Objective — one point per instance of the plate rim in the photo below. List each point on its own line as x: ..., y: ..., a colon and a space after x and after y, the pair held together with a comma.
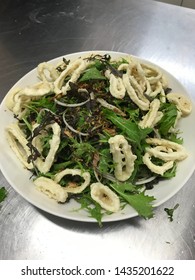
x: 86, y: 218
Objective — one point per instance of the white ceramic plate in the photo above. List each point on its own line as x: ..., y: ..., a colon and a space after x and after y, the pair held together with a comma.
x: 19, y: 178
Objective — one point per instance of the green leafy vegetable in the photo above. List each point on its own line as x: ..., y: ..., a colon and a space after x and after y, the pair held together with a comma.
x: 92, y: 74
x: 129, y: 128
x: 104, y: 160
x: 170, y: 211
x: 83, y: 151
x: 138, y: 200
x: 93, y: 208
x: 171, y: 172
x: 3, y: 194
x: 168, y: 119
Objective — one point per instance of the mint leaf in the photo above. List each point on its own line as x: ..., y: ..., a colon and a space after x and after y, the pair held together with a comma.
x: 138, y: 200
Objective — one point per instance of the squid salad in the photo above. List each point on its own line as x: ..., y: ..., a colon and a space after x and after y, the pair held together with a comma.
x: 100, y: 131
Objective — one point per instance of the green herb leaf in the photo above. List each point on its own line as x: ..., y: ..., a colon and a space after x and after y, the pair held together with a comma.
x: 92, y: 207
x: 174, y: 138
x: 168, y: 119
x: 3, y: 194
x: 84, y: 151
x: 171, y: 172
x: 104, y: 160
x: 139, y: 201
x: 61, y: 166
x: 131, y: 129
x: 92, y: 74
x: 170, y: 211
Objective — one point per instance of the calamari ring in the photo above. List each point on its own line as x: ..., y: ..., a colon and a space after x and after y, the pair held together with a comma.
x: 74, y: 188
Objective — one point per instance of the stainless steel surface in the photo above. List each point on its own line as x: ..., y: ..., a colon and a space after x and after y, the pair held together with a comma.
x: 36, y: 31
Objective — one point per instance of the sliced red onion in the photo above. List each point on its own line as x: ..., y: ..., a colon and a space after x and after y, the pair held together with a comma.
x: 109, y: 177
x: 96, y: 175
x: 71, y: 105
x: 144, y: 181
x: 47, y: 110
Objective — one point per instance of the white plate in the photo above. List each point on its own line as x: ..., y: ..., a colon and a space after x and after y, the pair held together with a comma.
x: 19, y: 178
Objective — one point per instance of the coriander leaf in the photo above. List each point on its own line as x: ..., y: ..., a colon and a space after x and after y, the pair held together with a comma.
x: 139, y: 201
x: 3, y: 194
x: 92, y: 74
x: 170, y: 211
